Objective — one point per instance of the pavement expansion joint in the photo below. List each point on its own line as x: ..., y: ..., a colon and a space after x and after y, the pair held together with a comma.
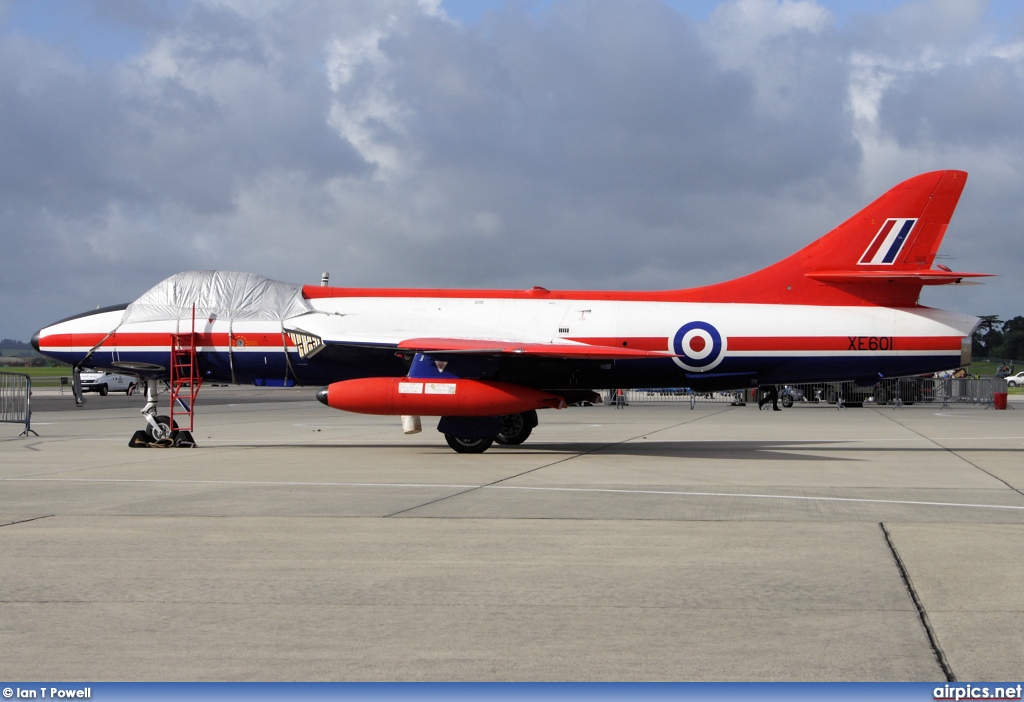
x: 922, y: 613
x: 25, y: 521
x: 952, y: 452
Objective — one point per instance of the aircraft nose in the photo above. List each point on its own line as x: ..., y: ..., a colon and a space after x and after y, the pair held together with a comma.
x: 35, y: 341
x: 322, y: 395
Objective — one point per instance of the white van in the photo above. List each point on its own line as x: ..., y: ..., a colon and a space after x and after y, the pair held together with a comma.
x: 104, y: 382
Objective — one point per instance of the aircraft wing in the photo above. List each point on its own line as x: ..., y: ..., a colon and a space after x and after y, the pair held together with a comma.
x: 491, y: 347
x: 310, y: 343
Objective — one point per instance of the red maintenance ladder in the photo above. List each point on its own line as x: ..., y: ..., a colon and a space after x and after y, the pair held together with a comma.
x: 185, y: 378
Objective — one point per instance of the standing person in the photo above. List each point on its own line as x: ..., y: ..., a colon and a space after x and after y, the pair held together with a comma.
x: 766, y: 394
x: 620, y: 398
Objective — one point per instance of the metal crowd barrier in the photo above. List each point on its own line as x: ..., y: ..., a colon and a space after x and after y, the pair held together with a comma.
x: 16, y: 400
x: 976, y: 391
x: 676, y: 395
x: 896, y: 392
x: 683, y: 395
x: 899, y: 392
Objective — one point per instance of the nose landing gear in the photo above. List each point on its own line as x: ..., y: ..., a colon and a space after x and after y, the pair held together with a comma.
x: 161, y: 430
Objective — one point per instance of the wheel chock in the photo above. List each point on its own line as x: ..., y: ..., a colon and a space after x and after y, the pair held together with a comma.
x: 141, y: 439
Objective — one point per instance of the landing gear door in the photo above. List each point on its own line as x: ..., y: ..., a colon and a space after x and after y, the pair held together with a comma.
x: 76, y: 386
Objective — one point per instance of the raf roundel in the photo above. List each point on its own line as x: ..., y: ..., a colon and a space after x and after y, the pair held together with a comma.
x: 698, y: 346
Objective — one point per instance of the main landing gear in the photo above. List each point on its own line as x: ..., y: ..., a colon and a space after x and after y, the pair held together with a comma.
x: 514, y: 429
x: 469, y: 445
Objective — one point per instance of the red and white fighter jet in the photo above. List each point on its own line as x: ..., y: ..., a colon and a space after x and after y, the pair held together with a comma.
x: 844, y: 308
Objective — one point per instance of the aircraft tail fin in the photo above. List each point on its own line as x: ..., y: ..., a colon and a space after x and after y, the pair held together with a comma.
x: 882, y: 255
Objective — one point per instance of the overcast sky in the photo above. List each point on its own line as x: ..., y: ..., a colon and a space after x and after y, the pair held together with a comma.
x: 633, y: 145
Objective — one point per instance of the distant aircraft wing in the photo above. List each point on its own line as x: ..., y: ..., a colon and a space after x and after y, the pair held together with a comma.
x: 490, y: 347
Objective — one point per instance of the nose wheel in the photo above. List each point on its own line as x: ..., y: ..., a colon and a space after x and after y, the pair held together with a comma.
x: 164, y: 428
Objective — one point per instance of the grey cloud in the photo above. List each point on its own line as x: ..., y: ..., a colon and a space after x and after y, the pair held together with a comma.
x: 918, y: 29
x: 237, y: 104
x: 978, y: 104
x: 150, y: 15
x: 604, y: 144
x: 59, y: 122
x: 611, y: 100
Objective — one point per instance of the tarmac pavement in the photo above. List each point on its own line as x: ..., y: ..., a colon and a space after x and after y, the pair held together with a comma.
x: 652, y: 543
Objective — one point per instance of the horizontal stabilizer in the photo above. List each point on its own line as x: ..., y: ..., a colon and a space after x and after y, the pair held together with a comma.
x: 927, y: 277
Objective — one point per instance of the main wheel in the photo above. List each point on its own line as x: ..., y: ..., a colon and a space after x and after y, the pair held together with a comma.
x: 514, y: 429
x: 166, y: 428
x: 830, y: 395
x: 881, y: 396
x: 103, y: 390
x: 469, y: 445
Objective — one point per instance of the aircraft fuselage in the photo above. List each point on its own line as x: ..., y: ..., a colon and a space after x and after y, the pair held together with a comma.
x: 713, y: 345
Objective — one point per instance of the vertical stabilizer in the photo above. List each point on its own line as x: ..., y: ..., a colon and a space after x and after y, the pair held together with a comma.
x: 882, y: 255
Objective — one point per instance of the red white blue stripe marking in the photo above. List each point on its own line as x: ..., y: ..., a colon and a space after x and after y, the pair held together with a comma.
x: 888, y: 242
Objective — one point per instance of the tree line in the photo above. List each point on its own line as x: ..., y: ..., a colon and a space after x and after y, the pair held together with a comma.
x: 12, y: 344
x: 24, y: 351
x: 995, y: 338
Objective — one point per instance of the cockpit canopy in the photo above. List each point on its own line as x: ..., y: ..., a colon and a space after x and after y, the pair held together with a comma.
x: 224, y: 295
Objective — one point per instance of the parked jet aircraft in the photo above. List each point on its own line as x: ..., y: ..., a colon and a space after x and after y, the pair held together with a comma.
x: 843, y: 308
